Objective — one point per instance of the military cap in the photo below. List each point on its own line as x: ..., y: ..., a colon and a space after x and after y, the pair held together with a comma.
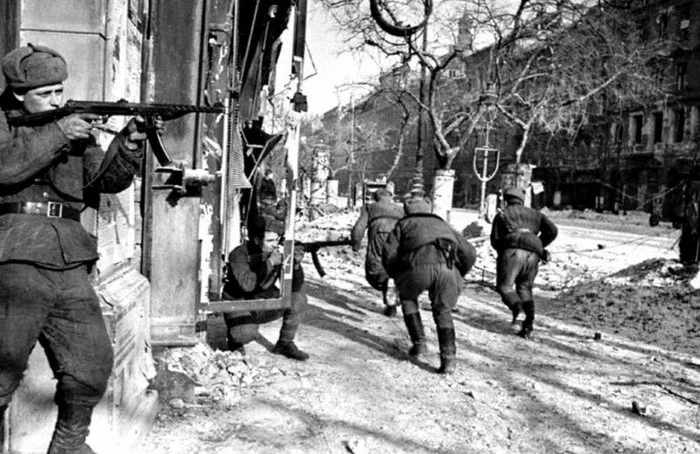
x: 381, y: 194
x: 266, y: 223
x: 514, y: 192
x: 418, y: 205
x: 33, y: 66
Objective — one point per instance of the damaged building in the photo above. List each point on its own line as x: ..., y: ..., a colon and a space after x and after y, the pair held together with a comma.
x: 162, y: 241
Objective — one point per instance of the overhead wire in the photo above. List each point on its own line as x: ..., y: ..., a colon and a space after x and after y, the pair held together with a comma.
x: 637, y: 199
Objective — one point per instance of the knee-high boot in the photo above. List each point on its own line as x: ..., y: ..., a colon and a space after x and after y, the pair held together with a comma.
x: 414, y: 325
x: 72, y: 428
x: 389, y: 305
x: 529, y: 309
x: 448, y: 350
x: 2, y: 426
x: 512, y: 300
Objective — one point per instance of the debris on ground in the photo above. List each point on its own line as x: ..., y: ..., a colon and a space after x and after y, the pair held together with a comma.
x: 605, y: 372
x: 215, y: 375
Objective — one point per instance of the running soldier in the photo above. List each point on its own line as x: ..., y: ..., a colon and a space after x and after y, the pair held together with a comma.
x: 425, y: 253
x: 379, y: 219
x: 520, y: 235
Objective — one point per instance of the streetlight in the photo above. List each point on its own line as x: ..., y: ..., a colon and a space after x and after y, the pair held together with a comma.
x: 488, y: 100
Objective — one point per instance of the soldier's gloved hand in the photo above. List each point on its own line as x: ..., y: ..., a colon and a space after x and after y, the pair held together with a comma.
x: 275, y: 258
x: 78, y: 126
x: 136, y: 130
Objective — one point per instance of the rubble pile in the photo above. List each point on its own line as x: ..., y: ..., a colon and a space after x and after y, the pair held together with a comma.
x: 214, y: 374
x: 568, y: 270
x: 654, y: 296
x: 655, y: 300
x: 601, y: 288
x: 325, y: 228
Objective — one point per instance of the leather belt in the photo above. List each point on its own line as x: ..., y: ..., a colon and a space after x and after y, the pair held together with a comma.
x: 48, y: 209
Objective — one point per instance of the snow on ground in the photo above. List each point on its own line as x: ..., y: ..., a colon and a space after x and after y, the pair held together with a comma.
x: 631, y: 388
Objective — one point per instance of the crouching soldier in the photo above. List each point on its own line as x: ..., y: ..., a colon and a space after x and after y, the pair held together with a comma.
x: 253, y: 269
x: 422, y: 253
x: 519, y: 235
x: 379, y: 218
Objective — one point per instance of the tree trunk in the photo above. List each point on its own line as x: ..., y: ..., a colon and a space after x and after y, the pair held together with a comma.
x: 443, y: 189
x: 523, y: 142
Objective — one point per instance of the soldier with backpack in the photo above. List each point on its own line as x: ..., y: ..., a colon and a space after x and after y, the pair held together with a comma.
x: 423, y: 253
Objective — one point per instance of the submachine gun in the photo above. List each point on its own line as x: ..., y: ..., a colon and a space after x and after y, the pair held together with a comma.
x: 312, y: 247
x: 149, y: 112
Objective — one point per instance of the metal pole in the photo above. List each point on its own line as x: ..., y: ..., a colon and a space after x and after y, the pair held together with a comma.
x: 484, y: 175
x: 292, y: 145
x: 230, y: 196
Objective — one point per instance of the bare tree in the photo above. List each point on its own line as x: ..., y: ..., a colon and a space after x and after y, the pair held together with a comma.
x: 543, y: 64
x: 352, y: 147
x: 557, y: 64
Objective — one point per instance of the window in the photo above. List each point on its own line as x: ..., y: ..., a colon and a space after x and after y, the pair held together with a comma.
x: 618, y: 134
x: 637, y: 124
x: 658, y: 74
x: 643, y: 32
x: 658, y: 127
x: 454, y: 73
x: 681, y: 71
x: 679, y: 115
x: 662, y: 26
x: 684, y: 24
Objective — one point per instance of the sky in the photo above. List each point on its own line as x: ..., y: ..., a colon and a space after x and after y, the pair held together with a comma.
x: 326, y: 68
x: 327, y: 71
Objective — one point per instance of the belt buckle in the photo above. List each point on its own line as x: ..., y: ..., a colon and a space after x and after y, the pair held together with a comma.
x: 54, y: 210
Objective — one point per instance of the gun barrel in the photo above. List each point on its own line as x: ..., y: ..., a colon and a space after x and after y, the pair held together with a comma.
x: 329, y: 243
x: 165, y: 111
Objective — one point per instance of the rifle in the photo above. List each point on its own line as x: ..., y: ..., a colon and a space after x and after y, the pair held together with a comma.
x: 313, y: 246
x: 107, y: 109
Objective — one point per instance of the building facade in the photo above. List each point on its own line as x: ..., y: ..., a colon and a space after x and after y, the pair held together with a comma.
x: 623, y: 159
x: 652, y: 149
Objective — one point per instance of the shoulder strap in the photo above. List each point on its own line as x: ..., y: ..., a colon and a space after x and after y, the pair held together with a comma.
x: 422, y: 215
x: 508, y: 221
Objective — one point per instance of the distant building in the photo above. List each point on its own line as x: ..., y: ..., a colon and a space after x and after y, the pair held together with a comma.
x: 622, y: 160
x: 652, y: 149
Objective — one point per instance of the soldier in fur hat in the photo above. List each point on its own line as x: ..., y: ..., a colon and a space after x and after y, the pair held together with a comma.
x: 519, y: 235
x: 48, y: 174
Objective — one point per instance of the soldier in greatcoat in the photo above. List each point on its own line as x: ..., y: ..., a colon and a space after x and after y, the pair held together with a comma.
x: 378, y: 219
x: 48, y: 174
x: 423, y: 253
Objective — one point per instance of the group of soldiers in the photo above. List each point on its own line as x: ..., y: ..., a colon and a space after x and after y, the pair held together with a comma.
x: 420, y: 251
x: 409, y: 246
x: 50, y: 172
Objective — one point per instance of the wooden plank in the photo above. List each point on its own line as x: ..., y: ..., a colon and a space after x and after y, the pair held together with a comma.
x: 245, y: 305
